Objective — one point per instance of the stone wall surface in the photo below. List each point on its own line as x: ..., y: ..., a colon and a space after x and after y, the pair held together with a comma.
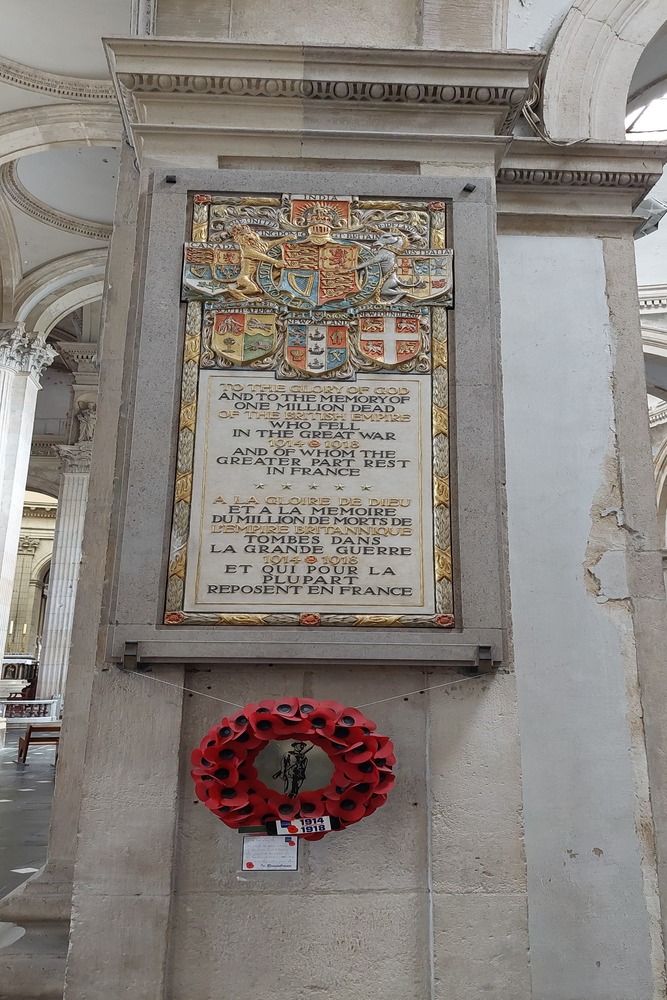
x: 373, y: 23
x: 441, y: 858
x: 583, y: 759
x: 437, y: 895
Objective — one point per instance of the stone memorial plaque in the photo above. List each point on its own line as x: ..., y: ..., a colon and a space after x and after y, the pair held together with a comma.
x: 312, y: 480
x: 337, y: 515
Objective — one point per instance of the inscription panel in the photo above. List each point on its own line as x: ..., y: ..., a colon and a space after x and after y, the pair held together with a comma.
x: 313, y: 495
x: 312, y: 480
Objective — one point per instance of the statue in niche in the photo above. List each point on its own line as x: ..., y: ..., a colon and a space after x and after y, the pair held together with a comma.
x: 86, y: 415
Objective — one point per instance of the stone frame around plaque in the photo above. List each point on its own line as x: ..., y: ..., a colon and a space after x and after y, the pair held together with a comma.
x: 153, y: 396
x: 389, y: 314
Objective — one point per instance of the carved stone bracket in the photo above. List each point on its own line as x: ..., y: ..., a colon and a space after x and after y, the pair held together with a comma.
x: 24, y: 354
x: 80, y: 357
x: 75, y: 457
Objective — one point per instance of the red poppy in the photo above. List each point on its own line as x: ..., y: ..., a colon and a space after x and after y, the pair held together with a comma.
x: 309, y: 619
x: 351, y: 807
x: 311, y: 804
x: 174, y: 618
x: 227, y: 781
x: 364, y: 772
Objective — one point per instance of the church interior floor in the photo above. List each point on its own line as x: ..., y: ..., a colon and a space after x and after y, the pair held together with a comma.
x: 26, y: 791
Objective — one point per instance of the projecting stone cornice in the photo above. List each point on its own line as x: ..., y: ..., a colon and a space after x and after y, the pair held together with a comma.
x: 653, y: 298
x: 67, y: 88
x: 586, y: 180
x: 313, y: 93
x: 11, y: 186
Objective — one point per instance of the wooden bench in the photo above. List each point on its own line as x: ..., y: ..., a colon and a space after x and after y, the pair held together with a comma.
x: 45, y: 732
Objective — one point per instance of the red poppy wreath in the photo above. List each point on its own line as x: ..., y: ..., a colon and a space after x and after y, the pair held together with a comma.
x: 228, y: 783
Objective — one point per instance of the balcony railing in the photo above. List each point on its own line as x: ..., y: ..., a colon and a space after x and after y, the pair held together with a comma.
x: 18, y: 710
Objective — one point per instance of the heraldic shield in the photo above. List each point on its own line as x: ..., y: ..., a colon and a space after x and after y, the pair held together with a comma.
x: 316, y: 348
x: 241, y: 336
x: 426, y: 274
x: 208, y: 269
x: 315, y: 275
x: 389, y: 339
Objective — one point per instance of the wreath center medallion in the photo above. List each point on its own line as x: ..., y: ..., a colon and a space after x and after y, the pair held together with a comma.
x: 359, y: 767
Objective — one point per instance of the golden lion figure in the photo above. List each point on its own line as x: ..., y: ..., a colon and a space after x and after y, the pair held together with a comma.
x: 253, y: 250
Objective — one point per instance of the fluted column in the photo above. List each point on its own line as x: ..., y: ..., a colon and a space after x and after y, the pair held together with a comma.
x: 20, y: 636
x: 65, y: 562
x: 22, y: 361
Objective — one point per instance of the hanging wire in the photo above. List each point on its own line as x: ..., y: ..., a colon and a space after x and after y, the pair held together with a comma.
x: 535, y: 122
x: 435, y: 687
x: 179, y: 687
x: 367, y: 704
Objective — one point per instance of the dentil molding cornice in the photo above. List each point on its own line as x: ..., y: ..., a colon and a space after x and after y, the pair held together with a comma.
x: 167, y: 86
x: 11, y: 186
x: 653, y: 298
x: 68, y: 88
x: 603, y: 181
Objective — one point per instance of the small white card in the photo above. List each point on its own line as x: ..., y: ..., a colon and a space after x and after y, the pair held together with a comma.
x: 270, y: 854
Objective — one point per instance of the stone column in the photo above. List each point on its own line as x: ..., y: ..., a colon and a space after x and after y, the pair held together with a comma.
x: 22, y: 360
x: 65, y: 562
x: 21, y: 612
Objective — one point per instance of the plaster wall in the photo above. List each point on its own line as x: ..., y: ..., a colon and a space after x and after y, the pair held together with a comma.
x: 53, y: 401
x: 532, y: 24
x: 39, y: 243
x: 591, y: 876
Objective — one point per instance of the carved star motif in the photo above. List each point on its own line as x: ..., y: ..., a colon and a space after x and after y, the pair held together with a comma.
x: 340, y: 487
x: 260, y: 486
x: 366, y: 487
x: 312, y: 486
x: 287, y: 486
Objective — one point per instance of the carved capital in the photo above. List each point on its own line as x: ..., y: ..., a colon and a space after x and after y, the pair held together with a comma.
x: 28, y: 545
x: 21, y: 353
x: 75, y: 457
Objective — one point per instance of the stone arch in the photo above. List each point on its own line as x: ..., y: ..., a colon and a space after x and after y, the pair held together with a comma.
x: 57, y: 125
x: 591, y: 65
x: 50, y: 292
x: 660, y: 468
x: 42, y: 567
x: 10, y: 262
x: 41, y: 482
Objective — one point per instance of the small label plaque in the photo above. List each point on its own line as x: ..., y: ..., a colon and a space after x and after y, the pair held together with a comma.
x: 270, y: 854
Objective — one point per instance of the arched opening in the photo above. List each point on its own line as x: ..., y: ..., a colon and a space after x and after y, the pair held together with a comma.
x: 26, y: 617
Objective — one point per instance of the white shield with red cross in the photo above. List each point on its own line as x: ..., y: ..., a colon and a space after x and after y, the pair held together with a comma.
x: 389, y: 339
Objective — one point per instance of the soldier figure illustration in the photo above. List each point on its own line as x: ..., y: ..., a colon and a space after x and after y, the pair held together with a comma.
x: 293, y: 769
